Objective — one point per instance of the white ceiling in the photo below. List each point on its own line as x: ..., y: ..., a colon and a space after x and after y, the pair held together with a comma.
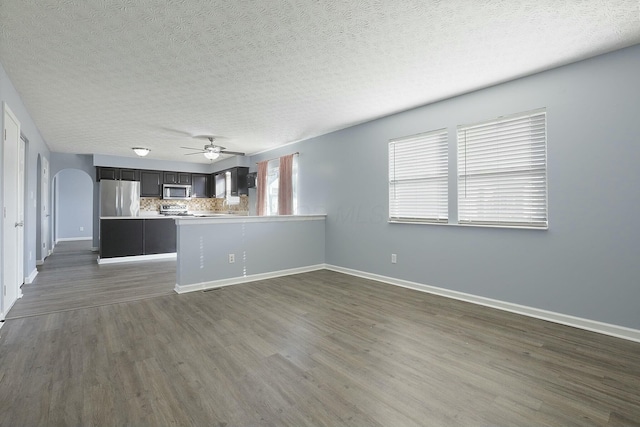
x: 102, y: 76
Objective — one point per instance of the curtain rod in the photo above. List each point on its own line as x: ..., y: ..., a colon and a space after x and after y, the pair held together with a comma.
x: 276, y: 158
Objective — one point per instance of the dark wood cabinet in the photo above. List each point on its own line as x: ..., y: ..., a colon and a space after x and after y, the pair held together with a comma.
x: 133, y: 237
x: 235, y: 179
x: 121, y: 237
x: 200, y: 185
x: 107, y: 173
x: 239, y: 181
x: 182, y: 178
x: 150, y: 184
x: 116, y: 173
x: 170, y: 178
x: 159, y: 236
x: 129, y: 175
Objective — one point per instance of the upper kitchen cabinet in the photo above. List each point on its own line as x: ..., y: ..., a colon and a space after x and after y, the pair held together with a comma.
x: 129, y: 175
x: 239, y: 181
x: 150, y: 183
x: 116, y: 173
x: 107, y: 173
x: 200, y: 185
x: 182, y: 178
x: 231, y: 182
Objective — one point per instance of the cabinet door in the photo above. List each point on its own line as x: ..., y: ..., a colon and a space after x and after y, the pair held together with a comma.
x: 129, y: 175
x: 121, y: 237
x: 150, y: 184
x: 242, y: 183
x: 108, y: 173
x: 159, y: 236
x: 200, y: 185
x: 170, y: 178
x: 184, y: 178
x: 238, y: 181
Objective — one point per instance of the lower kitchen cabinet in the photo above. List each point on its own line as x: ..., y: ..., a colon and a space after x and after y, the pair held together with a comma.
x: 159, y: 236
x: 132, y: 237
x: 121, y: 237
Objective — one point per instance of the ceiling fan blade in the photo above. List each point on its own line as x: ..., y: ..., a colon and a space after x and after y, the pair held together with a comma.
x: 191, y: 154
x: 209, y: 137
x: 235, y: 153
x: 189, y: 148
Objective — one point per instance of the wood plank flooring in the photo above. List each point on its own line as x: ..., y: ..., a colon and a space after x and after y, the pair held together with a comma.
x: 314, y: 349
x: 71, y: 278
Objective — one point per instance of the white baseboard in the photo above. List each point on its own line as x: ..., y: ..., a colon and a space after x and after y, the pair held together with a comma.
x: 72, y: 239
x: 94, y: 249
x: 39, y: 261
x: 28, y: 280
x: 137, y: 258
x: 563, y: 319
x: 181, y: 289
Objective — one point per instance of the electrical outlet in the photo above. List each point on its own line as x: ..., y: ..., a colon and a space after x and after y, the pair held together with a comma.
x: 232, y: 258
x: 394, y: 258
x: 81, y: 228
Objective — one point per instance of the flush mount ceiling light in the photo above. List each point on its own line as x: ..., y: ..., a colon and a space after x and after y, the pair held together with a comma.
x: 141, y: 151
x: 211, y: 155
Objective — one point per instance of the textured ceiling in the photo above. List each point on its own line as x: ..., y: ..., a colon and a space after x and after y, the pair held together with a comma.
x: 102, y: 76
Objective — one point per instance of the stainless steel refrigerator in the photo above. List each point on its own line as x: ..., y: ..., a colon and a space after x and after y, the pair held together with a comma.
x: 119, y: 198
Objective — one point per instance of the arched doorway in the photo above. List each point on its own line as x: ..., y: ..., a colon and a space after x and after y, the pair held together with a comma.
x: 73, y: 205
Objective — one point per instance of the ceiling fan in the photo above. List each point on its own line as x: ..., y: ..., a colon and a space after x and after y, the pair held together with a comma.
x: 210, y: 150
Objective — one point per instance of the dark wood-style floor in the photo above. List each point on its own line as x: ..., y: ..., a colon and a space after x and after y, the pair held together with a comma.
x: 72, y: 279
x: 313, y: 349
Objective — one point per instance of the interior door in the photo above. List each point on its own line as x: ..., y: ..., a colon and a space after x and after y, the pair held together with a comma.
x: 46, y: 210
x: 13, y: 256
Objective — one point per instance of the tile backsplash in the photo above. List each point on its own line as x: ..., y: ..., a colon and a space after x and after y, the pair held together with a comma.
x: 209, y: 205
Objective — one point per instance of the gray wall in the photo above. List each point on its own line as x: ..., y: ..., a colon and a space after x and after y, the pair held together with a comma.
x: 585, y: 265
x: 74, y: 205
x: 35, y: 147
x: 152, y: 164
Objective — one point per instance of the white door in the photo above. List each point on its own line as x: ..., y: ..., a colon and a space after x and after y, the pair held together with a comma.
x: 12, y: 212
x: 46, y: 210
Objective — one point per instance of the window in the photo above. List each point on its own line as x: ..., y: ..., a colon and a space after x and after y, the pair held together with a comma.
x: 502, y: 172
x: 418, y: 178
x: 273, y: 184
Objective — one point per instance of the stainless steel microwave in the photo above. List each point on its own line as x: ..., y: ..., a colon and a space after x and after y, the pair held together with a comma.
x: 176, y: 191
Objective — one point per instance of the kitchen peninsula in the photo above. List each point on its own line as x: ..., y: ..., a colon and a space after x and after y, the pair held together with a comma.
x: 227, y: 250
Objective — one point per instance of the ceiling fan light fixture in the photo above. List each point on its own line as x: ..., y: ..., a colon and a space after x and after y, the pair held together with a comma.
x: 140, y: 151
x: 211, y: 155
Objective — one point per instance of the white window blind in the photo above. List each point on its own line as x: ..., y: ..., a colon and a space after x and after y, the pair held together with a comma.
x: 502, y: 171
x: 418, y: 187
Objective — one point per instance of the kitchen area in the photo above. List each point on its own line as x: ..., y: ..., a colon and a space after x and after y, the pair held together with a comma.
x: 138, y: 208
x: 203, y: 222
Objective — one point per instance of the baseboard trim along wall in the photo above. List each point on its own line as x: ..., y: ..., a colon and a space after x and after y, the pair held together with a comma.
x: 137, y: 258
x: 72, y: 239
x: 181, y: 289
x: 563, y: 319
x: 31, y: 277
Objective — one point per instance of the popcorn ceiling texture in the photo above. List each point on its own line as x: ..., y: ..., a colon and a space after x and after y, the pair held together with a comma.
x: 102, y: 76
x: 150, y: 204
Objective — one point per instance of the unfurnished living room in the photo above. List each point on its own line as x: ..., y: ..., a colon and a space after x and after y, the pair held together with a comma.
x: 305, y: 213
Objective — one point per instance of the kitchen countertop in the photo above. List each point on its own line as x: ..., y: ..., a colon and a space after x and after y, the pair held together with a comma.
x: 191, y: 215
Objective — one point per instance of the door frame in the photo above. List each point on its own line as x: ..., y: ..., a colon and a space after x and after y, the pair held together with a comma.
x: 17, y: 206
x: 45, y: 209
